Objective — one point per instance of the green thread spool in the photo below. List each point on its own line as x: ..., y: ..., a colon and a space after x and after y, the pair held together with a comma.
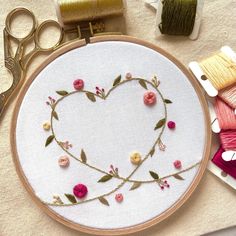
x: 178, y: 17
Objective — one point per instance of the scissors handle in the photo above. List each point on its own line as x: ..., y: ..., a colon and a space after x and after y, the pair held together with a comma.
x: 38, y: 47
x: 17, y: 73
x: 10, y: 17
x: 8, y: 28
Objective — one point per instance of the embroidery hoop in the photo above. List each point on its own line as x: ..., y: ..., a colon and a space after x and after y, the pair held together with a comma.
x: 169, y: 211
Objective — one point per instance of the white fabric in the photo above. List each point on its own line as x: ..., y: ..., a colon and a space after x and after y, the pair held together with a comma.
x: 108, y: 131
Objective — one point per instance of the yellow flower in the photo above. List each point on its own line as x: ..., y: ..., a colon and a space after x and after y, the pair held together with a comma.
x: 135, y: 158
x: 46, y: 126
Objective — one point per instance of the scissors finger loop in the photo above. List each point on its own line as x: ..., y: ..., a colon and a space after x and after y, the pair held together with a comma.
x: 42, y: 27
x: 10, y: 17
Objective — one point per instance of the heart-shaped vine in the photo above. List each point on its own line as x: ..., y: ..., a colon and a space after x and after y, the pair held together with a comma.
x: 113, y: 173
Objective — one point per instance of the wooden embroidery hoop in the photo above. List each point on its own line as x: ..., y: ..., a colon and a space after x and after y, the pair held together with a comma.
x: 141, y: 226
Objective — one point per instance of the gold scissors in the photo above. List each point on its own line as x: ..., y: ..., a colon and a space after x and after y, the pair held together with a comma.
x: 18, y: 62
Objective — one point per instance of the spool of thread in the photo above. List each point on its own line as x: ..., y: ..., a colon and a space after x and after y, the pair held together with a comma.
x: 220, y: 69
x: 228, y: 95
x: 228, y: 140
x: 225, y: 115
x: 227, y: 167
x: 72, y: 11
x: 179, y: 17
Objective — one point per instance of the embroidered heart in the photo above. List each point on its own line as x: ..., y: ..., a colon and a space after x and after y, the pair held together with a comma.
x: 121, y: 127
x: 110, y: 109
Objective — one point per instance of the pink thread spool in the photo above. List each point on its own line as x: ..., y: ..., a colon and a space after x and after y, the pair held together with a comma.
x: 225, y: 115
x: 228, y: 140
x: 229, y: 96
x: 228, y: 167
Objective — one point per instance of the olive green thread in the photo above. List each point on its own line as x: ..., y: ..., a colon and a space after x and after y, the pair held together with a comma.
x: 178, y: 17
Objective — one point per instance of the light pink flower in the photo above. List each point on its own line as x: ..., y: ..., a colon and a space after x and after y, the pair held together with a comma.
x: 64, y: 161
x: 119, y: 197
x: 128, y: 76
x: 149, y: 98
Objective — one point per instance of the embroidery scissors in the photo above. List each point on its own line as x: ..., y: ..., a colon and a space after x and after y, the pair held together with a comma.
x: 18, y: 62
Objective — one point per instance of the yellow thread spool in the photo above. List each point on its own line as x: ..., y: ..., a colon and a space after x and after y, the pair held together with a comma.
x: 220, y: 70
x: 72, y: 11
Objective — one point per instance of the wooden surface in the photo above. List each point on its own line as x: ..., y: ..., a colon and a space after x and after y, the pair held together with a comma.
x: 211, y: 207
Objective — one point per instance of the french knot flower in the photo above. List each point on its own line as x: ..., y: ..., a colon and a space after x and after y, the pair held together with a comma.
x: 46, y: 126
x: 149, y: 98
x: 64, y: 161
x: 171, y: 125
x: 119, y: 197
x: 128, y: 76
x: 78, y: 84
x: 80, y: 190
x: 135, y: 158
x: 177, y: 164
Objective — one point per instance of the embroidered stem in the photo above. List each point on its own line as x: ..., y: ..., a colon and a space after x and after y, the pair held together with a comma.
x: 120, y: 185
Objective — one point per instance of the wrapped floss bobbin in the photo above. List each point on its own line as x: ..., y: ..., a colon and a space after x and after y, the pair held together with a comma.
x: 177, y: 17
x: 74, y: 11
x: 217, y: 75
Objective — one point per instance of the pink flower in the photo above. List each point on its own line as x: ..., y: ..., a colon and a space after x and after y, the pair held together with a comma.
x: 119, y: 197
x: 171, y: 125
x: 64, y: 161
x: 78, y: 84
x: 177, y: 164
x: 128, y: 76
x: 149, y: 98
x: 80, y: 190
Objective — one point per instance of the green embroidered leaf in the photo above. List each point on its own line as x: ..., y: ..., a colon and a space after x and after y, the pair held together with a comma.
x: 177, y: 176
x: 83, y: 156
x: 154, y: 175
x: 49, y: 140
x: 105, y: 178
x: 54, y: 114
x: 62, y: 92
x: 117, y: 80
x: 142, y: 83
x: 71, y: 198
x: 152, y: 151
x: 91, y: 96
x: 103, y: 201
x: 160, y: 123
x: 135, y: 185
x: 167, y: 101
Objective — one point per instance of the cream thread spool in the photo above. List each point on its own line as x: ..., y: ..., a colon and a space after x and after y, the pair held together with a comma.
x: 74, y: 11
x: 201, y: 77
x: 197, y: 23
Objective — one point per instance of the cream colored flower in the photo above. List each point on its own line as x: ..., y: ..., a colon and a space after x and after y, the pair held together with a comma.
x: 46, y: 126
x: 135, y: 158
